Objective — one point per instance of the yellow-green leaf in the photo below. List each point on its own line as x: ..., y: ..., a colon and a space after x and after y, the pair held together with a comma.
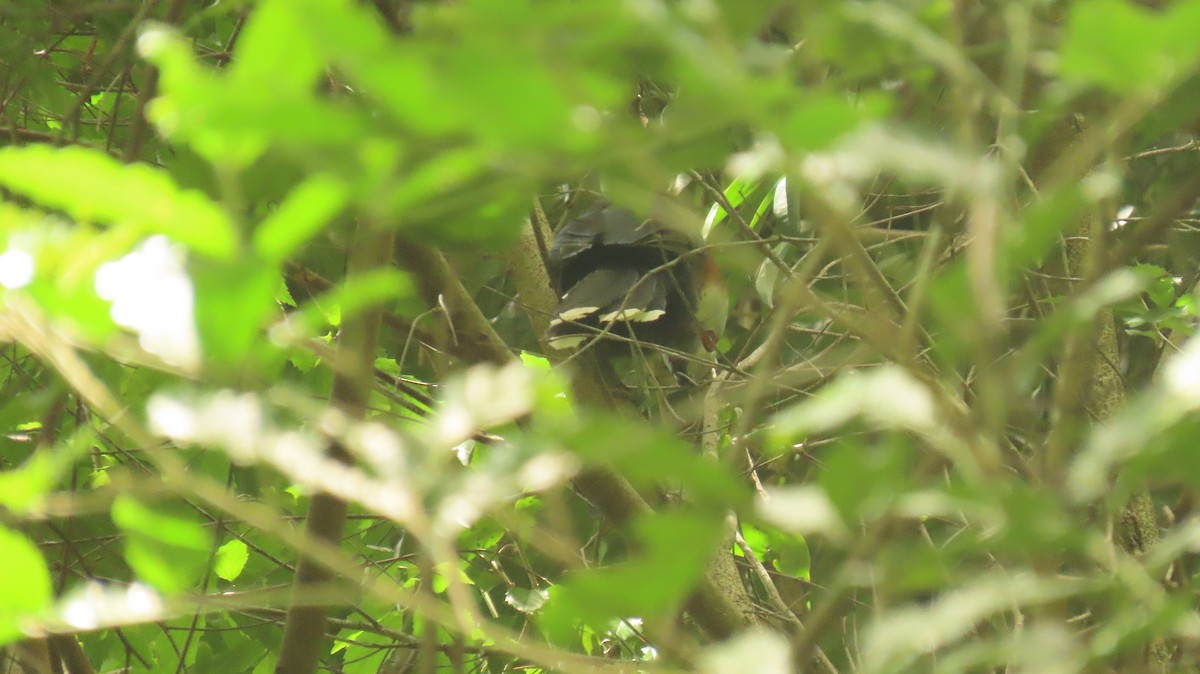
x: 91, y: 186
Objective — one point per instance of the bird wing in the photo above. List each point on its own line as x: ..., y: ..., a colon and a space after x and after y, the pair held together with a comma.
x: 605, y: 296
x: 605, y: 225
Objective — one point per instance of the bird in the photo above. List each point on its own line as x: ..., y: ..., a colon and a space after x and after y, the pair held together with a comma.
x: 636, y: 278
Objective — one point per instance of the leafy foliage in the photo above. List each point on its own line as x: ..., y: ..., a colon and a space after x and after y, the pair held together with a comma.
x: 271, y: 262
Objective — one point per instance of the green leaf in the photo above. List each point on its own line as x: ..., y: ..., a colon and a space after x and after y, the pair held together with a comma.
x: 302, y: 214
x: 275, y: 50
x: 232, y: 652
x: 676, y: 547
x: 792, y: 556
x: 1122, y: 47
x: 862, y: 481
x: 104, y: 190
x: 25, y: 585
x: 738, y: 191
x: 230, y: 560
x: 352, y: 295
x: 887, y: 396
x: 233, y: 302
x: 444, y: 174
x: 767, y: 650
x: 766, y: 279
x: 1029, y: 241
x: 164, y: 545
x: 442, y: 573
x: 232, y: 121
x: 820, y: 120
x: 161, y: 523
x: 359, y: 45
x: 534, y: 361
x: 647, y: 456
x: 24, y: 488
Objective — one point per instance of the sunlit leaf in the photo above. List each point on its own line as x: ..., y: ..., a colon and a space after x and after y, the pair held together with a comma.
x: 739, y: 190
x: 769, y: 651
x: 525, y: 600
x: 104, y: 190
x: 801, y: 509
x: 230, y: 560
x: 909, y: 632
x: 24, y: 488
x: 25, y: 584
x: 887, y: 395
x: 276, y: 51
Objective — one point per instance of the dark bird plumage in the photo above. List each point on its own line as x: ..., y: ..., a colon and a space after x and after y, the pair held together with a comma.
x: 623, y: 274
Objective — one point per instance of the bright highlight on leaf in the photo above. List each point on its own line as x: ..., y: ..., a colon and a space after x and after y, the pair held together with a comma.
x: 1181, y: 374
x: 16, y: 268
x: 95, y: 606
x: 905, y: 634
x: 768, y: 651
x: 151, y: 294
x: 800, y: 509
x: 887, y: 396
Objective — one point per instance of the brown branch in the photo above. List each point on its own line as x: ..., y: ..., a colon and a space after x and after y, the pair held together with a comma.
x: 353, y: 379
x: 137, y: 134
x: 468, y: 334
x: 68, y: 650
x: 526, y: 262
x: 1088, y: 385
x: 70, y: 122
x: 33, y: 656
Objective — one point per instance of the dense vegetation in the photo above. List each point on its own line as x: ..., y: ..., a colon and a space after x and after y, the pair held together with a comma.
x: 275, y: 388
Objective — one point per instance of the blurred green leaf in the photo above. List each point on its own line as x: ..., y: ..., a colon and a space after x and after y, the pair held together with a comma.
x: 887, y: 396
x: 25, y: 586
x: 821, y: 119
x: 896, y: 641
x: 675, y: 549
x: 233, y: 302
x: 767, y: 650
x: 303, y: 213
x: 24, y: 488
x: 104, y: 190
x: 1125, y: 48
x: 525, y: 600
x: 231, y: 121
x: 648, y: 456
x: 351, y: 296
x: 792, y: 557
x: 276, y: 51
x: 164, y: 545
